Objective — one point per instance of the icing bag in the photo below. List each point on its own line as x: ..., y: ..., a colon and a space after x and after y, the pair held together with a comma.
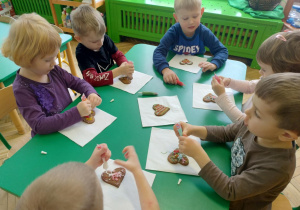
x: 179, y: 129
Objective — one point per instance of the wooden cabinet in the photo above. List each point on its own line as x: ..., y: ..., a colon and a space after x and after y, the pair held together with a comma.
x: 94, y: 4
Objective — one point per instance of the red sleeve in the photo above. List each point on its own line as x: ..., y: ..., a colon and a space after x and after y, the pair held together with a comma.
x: 97, y: 79
x: 119, y: 57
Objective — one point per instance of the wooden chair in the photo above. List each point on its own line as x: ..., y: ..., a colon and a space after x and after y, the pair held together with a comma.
x: 59, y: 30
x: 8, y: 106
x: 6, y: 144
x: 6, y: 19
x: 281, y: 203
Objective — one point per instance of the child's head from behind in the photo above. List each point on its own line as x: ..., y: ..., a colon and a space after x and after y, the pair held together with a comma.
x: 30, y: 36
x: 275, y: 112
x: 71, y: 185
x: 188, y: 13
x: 280, y: 53
x: 88, y: 26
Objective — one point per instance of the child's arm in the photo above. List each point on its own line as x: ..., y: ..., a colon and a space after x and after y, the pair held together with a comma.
x: 147, y: 196
x: 243, y: 86
x: 219, y: 51
x: 101, y: 151
x: 224, y: 102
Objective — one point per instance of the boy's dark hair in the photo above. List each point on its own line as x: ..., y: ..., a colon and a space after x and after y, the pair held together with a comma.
x: 283, y: 91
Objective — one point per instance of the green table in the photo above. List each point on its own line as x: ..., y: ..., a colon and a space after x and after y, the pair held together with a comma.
x: 193, y: 192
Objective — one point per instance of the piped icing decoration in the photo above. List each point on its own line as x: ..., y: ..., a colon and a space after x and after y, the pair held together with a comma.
x: 114, y: 177
x: 160, y: 110
x: 186, y: 61
x: 209, y: 98
x: 177, y: 157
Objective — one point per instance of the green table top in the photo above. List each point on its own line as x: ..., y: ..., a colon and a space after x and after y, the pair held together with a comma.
x: 219, y: 7
x: 8, y: 67
x: 193, y: 192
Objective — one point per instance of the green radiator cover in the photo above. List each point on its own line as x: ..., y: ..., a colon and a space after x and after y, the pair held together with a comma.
x: 150, y: 19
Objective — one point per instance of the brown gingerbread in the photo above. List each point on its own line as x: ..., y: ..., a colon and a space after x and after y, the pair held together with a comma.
x: 177, y: 157
x: 90, y: 118
x: 160, y: 110
x: 186, y: 61
x: 209, y: 98
x: 125, y: 80
x: 114, y: 177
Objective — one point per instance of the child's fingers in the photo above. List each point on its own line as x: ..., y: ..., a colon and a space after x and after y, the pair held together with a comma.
x: 121, y: 163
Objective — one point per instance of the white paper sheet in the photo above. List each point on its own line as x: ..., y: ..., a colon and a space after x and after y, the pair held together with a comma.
x: 138, y: 81
x: 194, y: 68
x: 81, y: 133
x: 201, y: 90
x: 162, y: 143
x: 124, y: 197
x: 175, y: 114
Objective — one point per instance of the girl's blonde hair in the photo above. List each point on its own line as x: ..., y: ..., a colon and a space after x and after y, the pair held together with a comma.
x: 70, y: 185
x: 86, y: 19
x: 186, y: 4
x: 282, y: 90
x: 30, y: 36
x: 281, y: 51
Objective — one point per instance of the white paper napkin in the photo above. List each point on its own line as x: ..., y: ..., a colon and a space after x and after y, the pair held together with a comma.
x: 162, y: 143
x: 124, y: 197
x: 81, y: 133
x: 194, y: 68
x: 201, y: 90
x: 138, y: 81
x: 175, y: 114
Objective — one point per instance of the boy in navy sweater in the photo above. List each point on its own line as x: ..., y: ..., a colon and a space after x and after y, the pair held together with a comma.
x: 188, y: 36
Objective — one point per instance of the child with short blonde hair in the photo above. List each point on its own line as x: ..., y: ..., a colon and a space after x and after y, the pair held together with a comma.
x: 96, y: 52
x: 279, y: 53
x: 41, y: 87
x: 75, y: 185
x: 188, y: 36
x: 263, y: 153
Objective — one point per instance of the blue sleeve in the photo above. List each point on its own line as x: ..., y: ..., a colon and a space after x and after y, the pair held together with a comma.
x: 160, y: 53
x: 218, y: 50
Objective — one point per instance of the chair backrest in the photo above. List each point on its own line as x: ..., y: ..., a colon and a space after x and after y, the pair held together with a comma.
x: 6, y: 19
x: 281, y: 203
x: 58, y: 29
x: 7, y: 101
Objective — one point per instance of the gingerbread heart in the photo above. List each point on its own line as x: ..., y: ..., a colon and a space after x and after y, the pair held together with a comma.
x: 125, y: 80
x: 160, y: 110
x: 114, y: 177
x: 209, y: 98
x: 177, y: 157
x: 186, y: 61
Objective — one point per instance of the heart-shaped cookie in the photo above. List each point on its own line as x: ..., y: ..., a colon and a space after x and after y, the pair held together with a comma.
x: 209, y: 98
x: 90, y: 118
x: 114, y: 177
x: 125, y: 80
x: 160, y: 110
x: 177, y: 157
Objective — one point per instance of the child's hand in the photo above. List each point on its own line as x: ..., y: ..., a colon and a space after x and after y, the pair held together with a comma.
x: 217, y: 87
x: 207, y: 66
x: 84, y: 108
x: 169, y: 76
x: 133, y: 163
x: 127, y: 69
x: 189, y: 146
x: 101, y: 151
x: 95, y: 100
x: 185, y: 129
x: 225, y: 80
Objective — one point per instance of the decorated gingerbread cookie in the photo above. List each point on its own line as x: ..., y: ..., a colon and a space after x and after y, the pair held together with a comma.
x: 186, y: 61
x: 125, y: 80
x: 90, y: 118
x: 114, y: 177
x: 209, y: 98
x: 160, y: 110
x: 177, y: 157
